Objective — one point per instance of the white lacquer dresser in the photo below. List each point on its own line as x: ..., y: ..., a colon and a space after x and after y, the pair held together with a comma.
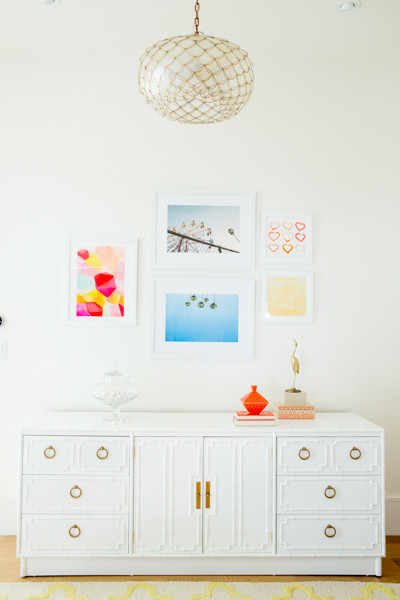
x: 191, y: 493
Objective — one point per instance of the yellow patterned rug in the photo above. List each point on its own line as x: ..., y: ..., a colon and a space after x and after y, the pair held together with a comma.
x: 189, y: 590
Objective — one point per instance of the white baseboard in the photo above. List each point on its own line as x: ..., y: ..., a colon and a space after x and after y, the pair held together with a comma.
x: 393, y: 515
x: 8, y: 515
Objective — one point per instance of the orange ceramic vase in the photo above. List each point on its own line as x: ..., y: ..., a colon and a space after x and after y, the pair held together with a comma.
x: 253, y: 402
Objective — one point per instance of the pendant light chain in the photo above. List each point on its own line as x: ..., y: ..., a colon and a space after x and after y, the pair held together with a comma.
x: 196, y: 20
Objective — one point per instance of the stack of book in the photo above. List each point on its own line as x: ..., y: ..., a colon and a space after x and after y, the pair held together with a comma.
x: 244, y: 418
x: 295, y: 411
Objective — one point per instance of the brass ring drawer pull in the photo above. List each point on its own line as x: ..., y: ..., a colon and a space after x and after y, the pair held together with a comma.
x: 49, y: 452
x: 76, y: 494
x: 330, y: 492
x: 74, y: 535
x: 307, y: 456
x: 332, y: 534
x: 357, y: 452
x: 104, y: 451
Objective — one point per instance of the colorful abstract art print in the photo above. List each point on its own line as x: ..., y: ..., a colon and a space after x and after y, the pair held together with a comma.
x: 286, y: 237
x: 287, y: 297
x: 206, y: 319
x: 203, y: 230
x: 102, y: 281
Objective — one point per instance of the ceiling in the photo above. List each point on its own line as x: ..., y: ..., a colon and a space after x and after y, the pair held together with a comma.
x: 271, y: 31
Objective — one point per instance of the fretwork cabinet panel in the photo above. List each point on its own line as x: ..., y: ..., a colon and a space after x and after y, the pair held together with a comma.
x: 239, y: 474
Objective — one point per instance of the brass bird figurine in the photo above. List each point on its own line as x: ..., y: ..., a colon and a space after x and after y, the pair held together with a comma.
x: 295, y: 365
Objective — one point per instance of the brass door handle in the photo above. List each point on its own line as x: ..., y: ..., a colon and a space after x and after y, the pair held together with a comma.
x: 198, y: 494
x: 76, y: 494
x: 332, y: 528
x: 104, y: 451
x: 72, y: 534
x: 357, y: 455
x: 330, y: 492
x: 307, y: 456
x: 49, y: 452
x: 208, y: 494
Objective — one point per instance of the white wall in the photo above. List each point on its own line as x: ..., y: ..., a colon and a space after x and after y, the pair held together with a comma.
x: 81, y: 153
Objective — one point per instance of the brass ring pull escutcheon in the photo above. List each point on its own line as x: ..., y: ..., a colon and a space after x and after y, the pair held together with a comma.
x: 102, y: 450
x: 49, y: 452
x: 330, y: 535
x: 330, y: 492
x: 76, y: 494
x: 307, y: 455
x: 355, y: 453
x: 72, y: 534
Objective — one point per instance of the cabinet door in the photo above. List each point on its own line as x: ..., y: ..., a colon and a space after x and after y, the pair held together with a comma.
x: 167, y: 510
x: 237, y: 511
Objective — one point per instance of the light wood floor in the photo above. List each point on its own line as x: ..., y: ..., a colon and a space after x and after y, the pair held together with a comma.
x: 9, y: 570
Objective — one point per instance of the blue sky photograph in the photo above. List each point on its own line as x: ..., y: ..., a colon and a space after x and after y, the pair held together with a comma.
x: 221, y: 225
x: 187, y: 321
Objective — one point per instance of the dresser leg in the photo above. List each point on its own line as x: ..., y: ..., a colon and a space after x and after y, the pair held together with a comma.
x: 22, y: 568
x: 378, y: 567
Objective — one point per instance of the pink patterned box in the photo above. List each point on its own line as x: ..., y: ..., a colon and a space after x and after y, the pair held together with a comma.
x: 296, y: 411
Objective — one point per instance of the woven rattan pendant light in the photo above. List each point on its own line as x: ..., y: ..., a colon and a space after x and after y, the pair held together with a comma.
x: 196, y: 78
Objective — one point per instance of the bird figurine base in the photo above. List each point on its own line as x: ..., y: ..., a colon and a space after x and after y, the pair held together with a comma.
x: 294, y: 397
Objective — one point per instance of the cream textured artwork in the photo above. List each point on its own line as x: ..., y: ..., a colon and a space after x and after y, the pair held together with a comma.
x: 287, y: 297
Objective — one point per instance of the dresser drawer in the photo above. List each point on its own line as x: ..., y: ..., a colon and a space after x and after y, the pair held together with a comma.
x: 74, y: 494
x: 319, y: 455
x: 76, y: 454
x: 74, y: 534
x: 328, y: 494
x: 329, y: 535
x: 361, y: 455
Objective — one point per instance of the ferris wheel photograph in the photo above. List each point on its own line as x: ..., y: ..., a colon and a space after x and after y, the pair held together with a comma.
x: 203, y: 229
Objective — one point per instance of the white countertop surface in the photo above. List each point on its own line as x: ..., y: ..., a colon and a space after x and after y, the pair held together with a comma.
x: 190, y: 423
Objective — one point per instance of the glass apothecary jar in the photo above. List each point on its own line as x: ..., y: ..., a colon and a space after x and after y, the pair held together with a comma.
x: 115, y: 391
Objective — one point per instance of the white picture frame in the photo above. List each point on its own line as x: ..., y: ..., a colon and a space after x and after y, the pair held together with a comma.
x: 287, y: 296
x: 211, y: 230
x: 184, y: 329
x: 286, y: 238
x: 92, y: 300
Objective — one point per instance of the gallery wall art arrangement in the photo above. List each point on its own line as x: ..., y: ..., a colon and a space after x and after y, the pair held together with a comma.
x: 201, y: 318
